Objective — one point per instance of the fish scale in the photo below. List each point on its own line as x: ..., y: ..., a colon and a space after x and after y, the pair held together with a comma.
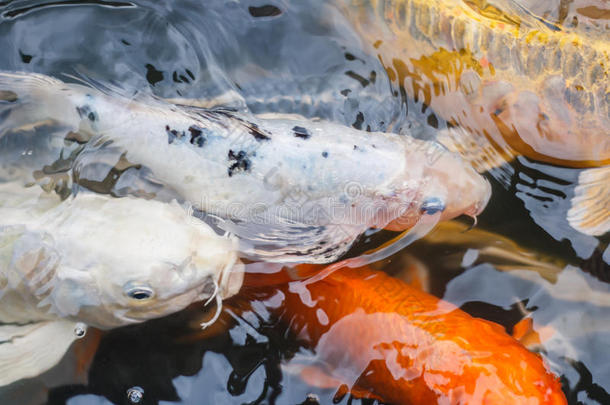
x: 442, y: 39
x: 562, y: 49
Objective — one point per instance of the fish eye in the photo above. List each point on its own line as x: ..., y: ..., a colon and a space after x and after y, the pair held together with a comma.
x: 140, y: 293
x: 432, y: 205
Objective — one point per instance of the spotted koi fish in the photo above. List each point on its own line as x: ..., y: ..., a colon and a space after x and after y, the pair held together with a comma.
x: 296, y: 190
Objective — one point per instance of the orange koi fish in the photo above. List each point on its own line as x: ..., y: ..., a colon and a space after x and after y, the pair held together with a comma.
x: 377, y: 337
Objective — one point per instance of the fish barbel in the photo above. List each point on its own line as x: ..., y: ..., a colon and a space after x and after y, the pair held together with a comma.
x: 386, y: 340
x: 517, y: 83
x: 99, y: 261
x: 308, y: 188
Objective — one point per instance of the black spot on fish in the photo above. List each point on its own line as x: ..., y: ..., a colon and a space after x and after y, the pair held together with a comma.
x: 125, y: 42
x: 24, y: 57
x: 153, y: 75
x: 363, y: 82
x: 345, y: 92
x: 172, y: 134
x: 359, y: 120
x: 236, y: 156
x: 349, y: 56
x: 372, y: 76
x: 242, y: 163
x: 188, y: 72
x: 301, y: 132
x: 197, y: 137
x: 264, y: 11
x: 432, y: 121
x: 324, y: 154
x: 178, y: 78
x: 85, y: 111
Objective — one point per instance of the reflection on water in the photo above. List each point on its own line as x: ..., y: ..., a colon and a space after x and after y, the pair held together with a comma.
x: 305, y: 58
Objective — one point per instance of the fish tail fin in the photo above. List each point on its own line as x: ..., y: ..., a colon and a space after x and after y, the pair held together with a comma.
x: 30, y: 100
x: 590, y: 210
x: 29, y: 350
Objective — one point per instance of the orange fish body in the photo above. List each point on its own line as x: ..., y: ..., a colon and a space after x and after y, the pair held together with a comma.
x: 387, y: 340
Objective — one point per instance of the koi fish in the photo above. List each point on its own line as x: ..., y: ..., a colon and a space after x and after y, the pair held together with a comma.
x: 295, y: 190
x: 518, y: 84
x: 376, y: 337
x: 477, y: 246
x: 97, y: 261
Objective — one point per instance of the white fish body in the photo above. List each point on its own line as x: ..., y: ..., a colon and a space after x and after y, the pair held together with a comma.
x: 302, y: 190
x: 100, y: 261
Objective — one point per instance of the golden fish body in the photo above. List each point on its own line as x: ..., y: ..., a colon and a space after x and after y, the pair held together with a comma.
x: 513, y: 79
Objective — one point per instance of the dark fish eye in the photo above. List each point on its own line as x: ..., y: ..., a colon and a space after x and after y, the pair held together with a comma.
x: 140, y: 293
x: 432, y: 205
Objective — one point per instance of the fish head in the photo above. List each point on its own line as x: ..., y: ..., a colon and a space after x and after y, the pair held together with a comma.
x: 441, y: 184
x: 128, y: 260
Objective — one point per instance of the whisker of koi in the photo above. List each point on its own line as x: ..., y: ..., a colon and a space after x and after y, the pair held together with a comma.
x: 218, y: 298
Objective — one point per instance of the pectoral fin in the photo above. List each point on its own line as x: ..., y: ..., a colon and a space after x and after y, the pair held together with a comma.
x: 590, y: 211
x: 292, y: 242
x: 30, y: 350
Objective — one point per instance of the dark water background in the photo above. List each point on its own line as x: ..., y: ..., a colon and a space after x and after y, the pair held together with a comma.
x: 298, y: 57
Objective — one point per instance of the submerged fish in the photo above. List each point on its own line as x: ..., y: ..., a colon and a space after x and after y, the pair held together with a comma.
x: 464, y: 247
x: 97, y: 261
x: 376, y: 337
x: 297, y: 190
x: 516, y: 82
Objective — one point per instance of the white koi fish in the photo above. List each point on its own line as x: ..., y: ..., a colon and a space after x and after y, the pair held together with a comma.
x: 97, y: 261
x: 292, y: 190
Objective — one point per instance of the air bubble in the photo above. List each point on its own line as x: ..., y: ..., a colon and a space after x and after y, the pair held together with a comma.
x: 135, y: 395
x: 312, y: 399
x: 80, y: 330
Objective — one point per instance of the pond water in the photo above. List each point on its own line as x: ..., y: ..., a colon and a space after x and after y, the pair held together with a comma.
x: 523, y: 259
